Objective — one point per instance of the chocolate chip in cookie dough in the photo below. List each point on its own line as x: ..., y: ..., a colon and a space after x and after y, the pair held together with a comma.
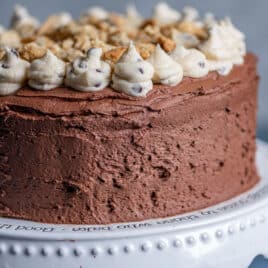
x: 97, y: 85
x: 82, y: 64
x: 141, y: 70
x: 222, y: 70
x: 137, y: 89
x: 15, y: 52
x: 5, y: 66
x: 201, y: 64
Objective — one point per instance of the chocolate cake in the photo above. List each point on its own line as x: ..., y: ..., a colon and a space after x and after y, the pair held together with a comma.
x: 163, y: 146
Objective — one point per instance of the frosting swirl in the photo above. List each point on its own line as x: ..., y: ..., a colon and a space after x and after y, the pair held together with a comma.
x: 47, y: 72
x: 97, y: 13
x: 221, y: 67
x: 13, y: 72
x: 21, y: 17
x: 132, y: 74
x: 190, y: 13
x: 225, y: 43
x: 193, y: 62
x: 166, y: 70
x: 133, y: 16
x: 209, y: 19
x: 164, y: 14
x: 61, y: 19
x: 89, y: 73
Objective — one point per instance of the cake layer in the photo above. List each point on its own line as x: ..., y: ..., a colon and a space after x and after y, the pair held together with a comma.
x: 96, y: 158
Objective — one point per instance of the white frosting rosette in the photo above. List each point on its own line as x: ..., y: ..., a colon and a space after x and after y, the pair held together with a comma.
x: 97, y: 13
x: 222, y: 67
x: 209, y: 19
x: 164, y: 14
x: 225, y: 43
x: 166, y: 70
x: 89, y: 73
x: 133, y: 16
x: 193, y: 62
x: 21, y: 17
x: 132, y: 75
x: 13, y: 72
x: 190, y: 13
x: 47, y: 72
x: 62, y: 19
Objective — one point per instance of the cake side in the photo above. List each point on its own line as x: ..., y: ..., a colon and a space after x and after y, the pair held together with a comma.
x: 89, y: 158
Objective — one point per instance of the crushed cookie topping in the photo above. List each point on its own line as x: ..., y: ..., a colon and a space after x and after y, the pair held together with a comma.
x: 193, y: 46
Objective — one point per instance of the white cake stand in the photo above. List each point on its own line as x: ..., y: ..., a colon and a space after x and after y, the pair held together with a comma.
x: 230, y: 234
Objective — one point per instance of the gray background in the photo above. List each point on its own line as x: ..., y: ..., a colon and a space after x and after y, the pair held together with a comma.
x: 250, y: 16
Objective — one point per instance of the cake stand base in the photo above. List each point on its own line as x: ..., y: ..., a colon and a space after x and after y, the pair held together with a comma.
x: 230, y: 234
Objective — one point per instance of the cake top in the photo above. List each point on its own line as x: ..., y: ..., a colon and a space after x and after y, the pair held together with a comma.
x: 124, y: 51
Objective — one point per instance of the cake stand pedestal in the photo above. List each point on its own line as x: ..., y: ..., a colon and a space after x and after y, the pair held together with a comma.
x: 230, y: 234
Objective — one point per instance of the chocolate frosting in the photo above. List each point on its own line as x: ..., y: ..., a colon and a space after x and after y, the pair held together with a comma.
x: 103, y: 157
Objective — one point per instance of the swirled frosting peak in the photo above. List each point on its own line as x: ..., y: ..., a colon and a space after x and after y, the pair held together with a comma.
x: 190, y: 13
x: 166, y: 70
x: 225, y: 43
x: 133, y: 75
x: 13, y: 72
x: 89, y: 73
x: 21, y: 16
x: 133, y: 16
x: 97, y: 12
x: 61, y: 19
x: 193, y: 62
x: 209, y: 19
x: 164, y: 14
x: 47, y: 72
x: 65, y: 18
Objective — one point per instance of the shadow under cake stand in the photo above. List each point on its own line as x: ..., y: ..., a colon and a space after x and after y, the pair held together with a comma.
x: 229, y: 234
